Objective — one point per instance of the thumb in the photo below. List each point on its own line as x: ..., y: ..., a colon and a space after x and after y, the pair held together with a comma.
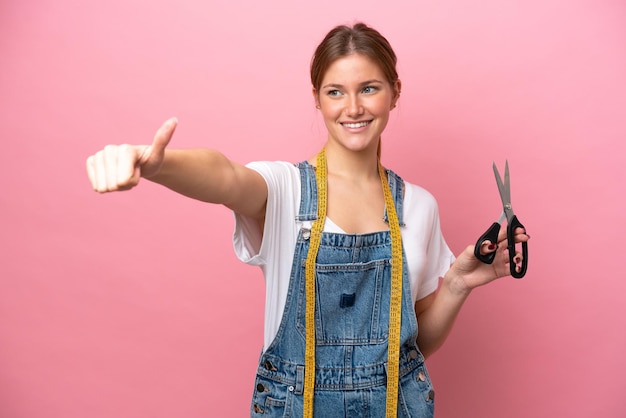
x: 159, y: 143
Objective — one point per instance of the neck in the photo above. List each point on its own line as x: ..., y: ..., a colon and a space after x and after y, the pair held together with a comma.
x: 361, y: 164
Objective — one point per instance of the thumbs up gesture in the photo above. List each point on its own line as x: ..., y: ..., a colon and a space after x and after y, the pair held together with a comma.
x: 119, y: 167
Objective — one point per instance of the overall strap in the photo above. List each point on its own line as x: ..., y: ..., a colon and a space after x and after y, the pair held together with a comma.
x: 396, y: 184
x: 308, y: 193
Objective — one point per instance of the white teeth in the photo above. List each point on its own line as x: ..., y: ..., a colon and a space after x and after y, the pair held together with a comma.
x: 355, y: 125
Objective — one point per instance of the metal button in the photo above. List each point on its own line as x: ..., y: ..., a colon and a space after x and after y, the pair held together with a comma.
x: 431, y: 395
x: 269, y: 366
x: 413, y: 354
x: 260, y: 388
x: 306, y: 234
x: 291, y: 388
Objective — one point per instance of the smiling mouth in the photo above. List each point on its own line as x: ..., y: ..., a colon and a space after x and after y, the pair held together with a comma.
x: 355, y: 125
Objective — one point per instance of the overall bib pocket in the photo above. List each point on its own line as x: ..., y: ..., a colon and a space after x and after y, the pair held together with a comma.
x: 351, y: 292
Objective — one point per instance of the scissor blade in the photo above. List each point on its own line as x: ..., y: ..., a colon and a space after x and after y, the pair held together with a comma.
x: 507, y: 182
x: 503, y: 188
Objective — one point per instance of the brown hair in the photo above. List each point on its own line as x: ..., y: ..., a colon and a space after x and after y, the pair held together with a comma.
x: 359, y: 39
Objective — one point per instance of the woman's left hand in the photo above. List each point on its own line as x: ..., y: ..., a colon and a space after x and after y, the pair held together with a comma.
x: 468, y: 272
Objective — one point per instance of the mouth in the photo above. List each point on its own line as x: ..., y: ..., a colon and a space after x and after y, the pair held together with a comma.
x: 355, y: 125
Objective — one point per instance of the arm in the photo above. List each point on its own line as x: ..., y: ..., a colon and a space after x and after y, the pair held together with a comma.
x: 201, y: 174
x: 437, y: 312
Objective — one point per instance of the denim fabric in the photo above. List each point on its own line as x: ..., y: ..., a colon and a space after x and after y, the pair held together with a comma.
x: 353, y: 282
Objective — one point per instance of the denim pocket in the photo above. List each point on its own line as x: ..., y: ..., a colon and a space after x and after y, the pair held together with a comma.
x: 271, y: 399
x: 349, y: 308
x: 416, y: 395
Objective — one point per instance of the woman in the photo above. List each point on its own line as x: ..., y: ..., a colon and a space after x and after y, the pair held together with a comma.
x: 351, y: 253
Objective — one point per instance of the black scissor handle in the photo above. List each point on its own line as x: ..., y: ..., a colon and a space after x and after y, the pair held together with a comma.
x: 514, y: 223
x: 492, y: 236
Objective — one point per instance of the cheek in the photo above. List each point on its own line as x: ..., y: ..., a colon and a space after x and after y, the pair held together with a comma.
x: 382, y: 110
x: 330, y: 110
x: 385, y: 105
x: 379, y: 105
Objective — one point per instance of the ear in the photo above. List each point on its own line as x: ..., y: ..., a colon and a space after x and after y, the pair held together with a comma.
x: 397, y: 87
x: 316, y: 97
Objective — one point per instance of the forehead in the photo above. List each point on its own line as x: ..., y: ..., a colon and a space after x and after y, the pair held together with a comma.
x: 353, y: 68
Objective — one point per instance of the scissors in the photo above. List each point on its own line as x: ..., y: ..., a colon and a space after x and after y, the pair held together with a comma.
x: 512, y: 224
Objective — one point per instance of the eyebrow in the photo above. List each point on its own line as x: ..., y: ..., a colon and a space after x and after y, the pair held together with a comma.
x: 365, y: 83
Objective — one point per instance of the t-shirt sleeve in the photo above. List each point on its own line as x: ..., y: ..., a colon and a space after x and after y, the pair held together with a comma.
x: 428, y: 254
x: 439, y: 253
x: 253, y: 246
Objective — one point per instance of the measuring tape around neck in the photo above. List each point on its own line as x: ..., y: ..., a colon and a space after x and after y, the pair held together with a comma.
x: 395, y: 306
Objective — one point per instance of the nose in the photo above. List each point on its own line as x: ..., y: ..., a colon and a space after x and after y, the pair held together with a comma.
x: 354, y: 106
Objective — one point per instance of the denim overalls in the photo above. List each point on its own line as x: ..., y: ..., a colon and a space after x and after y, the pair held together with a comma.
x: 353, y: 280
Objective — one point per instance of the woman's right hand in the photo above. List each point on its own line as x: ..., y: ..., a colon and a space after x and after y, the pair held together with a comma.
x: 119, y: 167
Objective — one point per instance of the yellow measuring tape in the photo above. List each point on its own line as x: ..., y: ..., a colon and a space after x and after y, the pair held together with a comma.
x: 316, y: 235
x: 395, y: 306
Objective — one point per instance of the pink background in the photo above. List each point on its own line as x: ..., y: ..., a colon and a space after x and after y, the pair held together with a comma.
x: 134, y: 305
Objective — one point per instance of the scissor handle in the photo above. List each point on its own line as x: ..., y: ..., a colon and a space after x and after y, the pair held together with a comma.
x: 513, y: 224
x: 492, y: 236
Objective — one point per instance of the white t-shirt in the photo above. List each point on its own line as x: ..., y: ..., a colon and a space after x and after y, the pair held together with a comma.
x: 428, y: 255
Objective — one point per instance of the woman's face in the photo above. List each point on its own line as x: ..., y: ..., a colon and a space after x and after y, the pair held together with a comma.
x: 355, y: 99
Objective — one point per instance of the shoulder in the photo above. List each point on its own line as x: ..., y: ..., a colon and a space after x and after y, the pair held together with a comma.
x: 276, y: 172
x: 418, y: 197
x: 273, y: 167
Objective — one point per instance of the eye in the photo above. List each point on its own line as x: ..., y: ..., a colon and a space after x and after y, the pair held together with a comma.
x: 370, y: 89
x: 333, y: 93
